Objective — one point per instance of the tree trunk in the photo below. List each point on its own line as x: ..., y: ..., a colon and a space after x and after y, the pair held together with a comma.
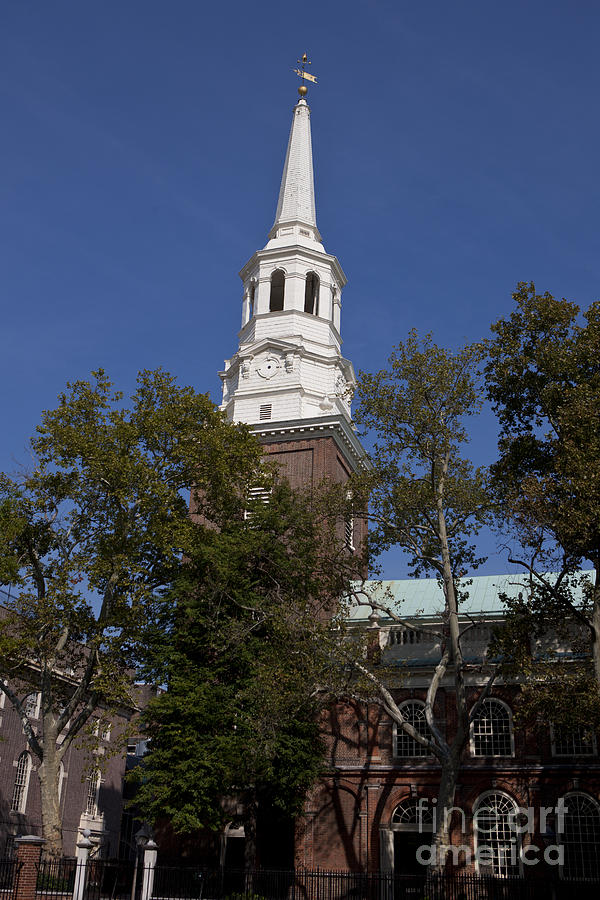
x: 446, y: 793
x: 49, y: 775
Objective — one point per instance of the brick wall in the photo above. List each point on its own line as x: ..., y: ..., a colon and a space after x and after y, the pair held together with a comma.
x: 77, y: 762
x: 345, y: 812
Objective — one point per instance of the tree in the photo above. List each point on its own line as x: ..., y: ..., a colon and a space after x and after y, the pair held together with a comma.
x: 430, y: 501
x: 543, y: 377
x: 256, y: 625
x: 93, y: 536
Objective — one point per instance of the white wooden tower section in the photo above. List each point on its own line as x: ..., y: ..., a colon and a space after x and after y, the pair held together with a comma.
x: 289, y: 368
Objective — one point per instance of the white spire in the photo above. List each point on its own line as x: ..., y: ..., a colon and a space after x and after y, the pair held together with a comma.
x: 289, y: 371
x: 297, y: 192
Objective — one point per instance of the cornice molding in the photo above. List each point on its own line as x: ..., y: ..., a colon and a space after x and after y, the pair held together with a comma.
x: 295, y: 250
x: 337, y: 427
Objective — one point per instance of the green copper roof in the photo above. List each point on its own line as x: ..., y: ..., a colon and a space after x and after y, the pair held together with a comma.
x: 414, y: 597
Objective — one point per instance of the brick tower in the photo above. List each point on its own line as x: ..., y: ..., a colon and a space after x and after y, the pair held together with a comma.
x: 288, y: 379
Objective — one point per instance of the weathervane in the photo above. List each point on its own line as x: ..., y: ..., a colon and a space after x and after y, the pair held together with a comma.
x: 302, y: 73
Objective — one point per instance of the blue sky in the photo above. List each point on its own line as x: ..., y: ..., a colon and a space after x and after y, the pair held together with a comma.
x: 456, y: 153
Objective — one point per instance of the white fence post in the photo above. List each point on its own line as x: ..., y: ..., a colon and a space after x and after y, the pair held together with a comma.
x: 81, y: 855
x: 150, y: 854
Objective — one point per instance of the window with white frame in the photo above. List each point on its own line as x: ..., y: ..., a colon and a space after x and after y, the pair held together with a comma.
x: 496, y: 836
x: 31, y: 705
x: 61, y: 780
x: 412, y: 814
x: 577, y: 741
x: 21, y: 786
x: 101, y: 729
x: 491, y: 730
x: 413, y: 711
x: 92, y: 789
x: 580, y: 836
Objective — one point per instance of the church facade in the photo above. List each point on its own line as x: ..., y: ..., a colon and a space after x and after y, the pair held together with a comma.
x: 374, y: 807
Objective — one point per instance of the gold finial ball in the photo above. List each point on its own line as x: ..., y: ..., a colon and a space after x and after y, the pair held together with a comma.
x: 303, y: 90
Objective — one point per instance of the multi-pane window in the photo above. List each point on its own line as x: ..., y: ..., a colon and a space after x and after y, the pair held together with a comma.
x: 572, y: 741
x: 19, y: 797
x: 405, y: 745
x: 580, y: 837
x: 92, y: 785
x: 102, y: 729
x: 496, y: 838
x: 491, y: 730
x: 30, y: 706
x: 414, y: 811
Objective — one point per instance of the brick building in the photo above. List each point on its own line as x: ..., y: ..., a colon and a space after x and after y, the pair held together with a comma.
x: 375, y: 808
x: 90, y: 794
x: 91, y: 777
x: 289, y: 381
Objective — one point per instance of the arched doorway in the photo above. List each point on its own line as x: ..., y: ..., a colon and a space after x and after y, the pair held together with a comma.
x: 411, y: 827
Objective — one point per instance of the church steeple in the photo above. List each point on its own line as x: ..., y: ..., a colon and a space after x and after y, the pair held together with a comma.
x: 296, y: 204
x: 288, y: 375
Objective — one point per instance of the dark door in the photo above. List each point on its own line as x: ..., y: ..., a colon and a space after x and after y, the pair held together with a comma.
x: 406, y: 844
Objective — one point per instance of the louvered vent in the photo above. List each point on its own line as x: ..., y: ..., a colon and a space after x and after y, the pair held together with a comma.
x: 349, y: 533
x: 265, y: 411
x: 256, y: 495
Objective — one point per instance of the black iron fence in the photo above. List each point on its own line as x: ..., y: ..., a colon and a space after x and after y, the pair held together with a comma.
x: 103, y: 879
x: 184, y: 883
x: 232, y: 884
x: 56, y: 877
x: 9, y: 878
x: 106, y: 880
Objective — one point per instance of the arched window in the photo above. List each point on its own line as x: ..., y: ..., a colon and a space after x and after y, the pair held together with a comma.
x: 405, y: 745
x: 19, y: 797
x: 496, y: 836
x: 311, y: 294
x: 580, y: 836
x: 251, y: 295
x: 277, y: 290
x: 491, y: 730
x: 413, y: 814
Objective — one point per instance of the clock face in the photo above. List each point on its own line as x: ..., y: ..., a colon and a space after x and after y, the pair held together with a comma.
x: 268, y: 367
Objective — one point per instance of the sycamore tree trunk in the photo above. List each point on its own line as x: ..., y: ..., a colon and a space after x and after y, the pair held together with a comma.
x: 446, y: 793
x: 49, y: 776
x: 452, y: 761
